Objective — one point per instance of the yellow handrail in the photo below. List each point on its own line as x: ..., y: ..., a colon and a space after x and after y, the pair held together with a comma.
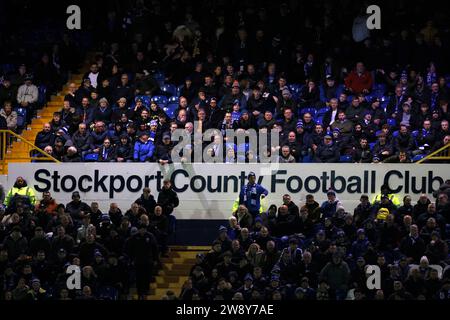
x: 5, y: 134
x: 431, y: 156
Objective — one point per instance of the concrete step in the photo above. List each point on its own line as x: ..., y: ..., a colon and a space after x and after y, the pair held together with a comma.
x: 178, y: 260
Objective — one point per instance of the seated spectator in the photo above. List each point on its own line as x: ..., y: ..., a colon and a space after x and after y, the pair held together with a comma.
x: 328, y: 152
x: 9, y: 115
x: 359, y: 80
x: 144, y: 148
x: 45, y: 137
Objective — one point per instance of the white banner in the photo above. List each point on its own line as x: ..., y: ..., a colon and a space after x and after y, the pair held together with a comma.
x: 207, y: 191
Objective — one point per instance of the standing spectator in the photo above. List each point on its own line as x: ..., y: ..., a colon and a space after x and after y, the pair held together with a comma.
x: 251, y: 195
x: 143, y: 251
x: 146, y: 200
x: 168, y: 198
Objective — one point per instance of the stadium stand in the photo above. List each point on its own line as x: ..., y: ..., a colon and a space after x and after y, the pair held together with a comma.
x: 116, y: 94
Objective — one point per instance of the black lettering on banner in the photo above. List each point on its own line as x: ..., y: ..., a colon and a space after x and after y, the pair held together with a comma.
x: 80, y: 183
x: 202, y: 183
x: 275, y: 180
x: 340, y: 179
x: 324, y: 178
x: 174, y: 185
x: 138, y: 185
x: 366, y: 181
x: 414, y: 185
x: 387, y: 177
x: 317, y: 182
x: 298, y: 181
x: 354, y: 187
x: 99, y: 183
x: 431, y: 180
x: 55, y: 178
x: 235, y: 183
x: 406, y: 185
x: 373, y: 182
x: 147, y: 181
x: 159, y: 177
x: 73, y: 182
x: 39, y: 179
x: 218, y: 188
x: 112, y: 185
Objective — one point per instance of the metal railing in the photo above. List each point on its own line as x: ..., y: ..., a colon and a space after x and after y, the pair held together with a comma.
x: 34, y: 153
x: 442, y: 154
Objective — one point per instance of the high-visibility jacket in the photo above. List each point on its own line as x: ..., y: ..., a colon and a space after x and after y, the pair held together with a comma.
x: 262, y: 208
x: 394, y: 199
x: 23, y: 191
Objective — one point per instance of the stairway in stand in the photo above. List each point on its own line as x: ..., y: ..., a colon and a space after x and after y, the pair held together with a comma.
x: 19, y: 151
x: 174, y: 272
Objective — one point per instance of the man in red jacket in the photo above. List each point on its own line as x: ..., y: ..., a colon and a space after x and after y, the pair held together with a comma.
x: 359, y: 80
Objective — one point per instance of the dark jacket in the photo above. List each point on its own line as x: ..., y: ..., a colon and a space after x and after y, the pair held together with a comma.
x: 327, y: 153
x: 44, y: 139
x: 168, y: 199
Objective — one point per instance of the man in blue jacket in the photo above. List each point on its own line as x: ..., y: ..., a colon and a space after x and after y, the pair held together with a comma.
x: 143, y: 148
x: 251, y: 194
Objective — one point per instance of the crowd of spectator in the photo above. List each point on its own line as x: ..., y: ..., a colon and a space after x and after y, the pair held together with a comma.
x: 384, y: 99
x: 114, y: 250
x: 321, y: 251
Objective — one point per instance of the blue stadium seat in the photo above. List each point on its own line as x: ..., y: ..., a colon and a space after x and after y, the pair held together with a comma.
x: 145, y: 100
x: 21, y: 116
x: 108, y: 293
x: 159, y: 78
x: 307, y: 159
x: 346, y: 159
x: 169, y: 89
x: 395, y: 133
x: 322, y: 111
x: 308, y: 110
x: 170, y: 110
x: 415, y: 134
x: 179, y: 88
x: 377, y: 133
x: 391, y: 122
x: 418, y: 157
x: 90, y: 157
x: 42, y: 97
x: 160, y: 100
x: 7, y: 68
x: 371, y: 145
x: 173, y: 99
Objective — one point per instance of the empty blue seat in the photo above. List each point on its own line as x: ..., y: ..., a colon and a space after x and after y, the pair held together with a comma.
x: 170, y: 110
x: 391, y: 122
x: 169, y: 89
x: 160, y: 100
x: 319, y: 120
x: 307, y: 159
x: 345, y: 159
x: 371, y: 145
x: 322, y: 111
x: 312, y: 111
x: 90, y: 157
x: 173, y: 99
x: 418, y: 157
x: 21, y: 116
x: 179, y: 88
x: 145, y: 100
x: 42, y: 97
